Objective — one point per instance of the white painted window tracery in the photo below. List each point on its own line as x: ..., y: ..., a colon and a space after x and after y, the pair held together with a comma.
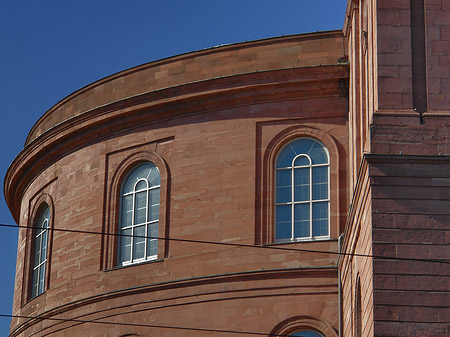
x: 302, y: 196
x: 139, y: 216
x: 40, y: 253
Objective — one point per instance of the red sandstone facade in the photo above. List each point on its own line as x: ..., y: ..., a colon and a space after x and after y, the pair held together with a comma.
x: 214, y: 122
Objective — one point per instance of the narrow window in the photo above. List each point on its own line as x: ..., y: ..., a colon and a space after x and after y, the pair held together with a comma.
x: 302, y: 191
x: 139, y: 216
x: 40, y: 253
x: 358, y: 313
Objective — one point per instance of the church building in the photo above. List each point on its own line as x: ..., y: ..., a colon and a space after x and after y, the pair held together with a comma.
x: 290, y: 186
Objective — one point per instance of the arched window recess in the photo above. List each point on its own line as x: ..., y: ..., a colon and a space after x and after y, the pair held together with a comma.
x: 302, y: 195
x: 40, y: 245
x: 139, y: 216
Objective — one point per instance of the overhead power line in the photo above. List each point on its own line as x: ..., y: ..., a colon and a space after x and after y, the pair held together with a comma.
x: 230, y: 244
x: 75, y: 320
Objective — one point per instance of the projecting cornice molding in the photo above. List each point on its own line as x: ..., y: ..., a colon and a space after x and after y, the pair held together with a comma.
x: 136, y: 112
x: 293, y: 51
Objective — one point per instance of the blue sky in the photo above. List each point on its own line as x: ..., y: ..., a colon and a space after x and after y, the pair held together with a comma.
x: 51, y: 48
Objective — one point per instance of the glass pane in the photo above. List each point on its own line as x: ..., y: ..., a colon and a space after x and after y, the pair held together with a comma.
x: 285, y: 156
x: 153, y: 212
x: 154, y: 196
x: 313, y: 149
x: 320, y: 218
x: 152, y: 244
x: 41, y: 279
x: 152, y: 248
x: 153, y: 230
x: 141, y: 171
x: 302, y: 161
x: 43, y: 220
x: 318, y: 154
x: 284, y: 192
x: 128, y: 185
x: 37, y: 251
x: 147, y: 171
x: 320, y: 228
x: 154, y: 177
x: 302, y: 145
x: 301, y: 220
x: 283, y: 222
x: 35, y: 283
x: 125, y: 246
x: 44, y: 246
x: 139, y: 242
x: 140, y: 207
x: 320, y: 182
x: 141, y: 185
x: 47, y: 214
x: 301, y: 183
x: 38, y: 229
x: 127, y: 211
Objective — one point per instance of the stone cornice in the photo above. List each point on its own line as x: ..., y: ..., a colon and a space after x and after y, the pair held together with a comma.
x: 298, y: 50
x: 157, y: 106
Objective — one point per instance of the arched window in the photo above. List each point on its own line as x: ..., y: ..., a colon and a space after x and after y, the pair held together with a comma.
x: 302, y: 191
x: 306, y: 333
x: 40, y: 253
x: 139, y: 216
x: 358, y: 311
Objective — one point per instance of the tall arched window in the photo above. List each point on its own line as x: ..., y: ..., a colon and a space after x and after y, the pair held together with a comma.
x: 40, y: 253
x: 302, y: 191
x: 358, y: 311
x: 139, y: 218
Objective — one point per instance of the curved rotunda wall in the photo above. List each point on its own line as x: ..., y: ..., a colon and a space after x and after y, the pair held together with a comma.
x: 213, y: 142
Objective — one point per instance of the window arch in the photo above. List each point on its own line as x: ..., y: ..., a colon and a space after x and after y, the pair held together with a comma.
x: 304, y: 326
x: 139, y: 215
x: 306, y: 333
x: 40, y: 245
x: 302, y: 193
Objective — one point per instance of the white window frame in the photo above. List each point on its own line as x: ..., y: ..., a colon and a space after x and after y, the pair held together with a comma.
x: 311, y: 201
x: 133, y: 225
x: 40, y: 238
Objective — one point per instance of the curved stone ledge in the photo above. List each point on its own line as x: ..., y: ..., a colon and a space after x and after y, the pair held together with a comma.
x: 199, y: 291
x: 166, y: 104
x: 302, y: 50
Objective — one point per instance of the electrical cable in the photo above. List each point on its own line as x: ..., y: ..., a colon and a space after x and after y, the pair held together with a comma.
x: 144, y: 325
x: 81, y: 321
x: 234, y: 244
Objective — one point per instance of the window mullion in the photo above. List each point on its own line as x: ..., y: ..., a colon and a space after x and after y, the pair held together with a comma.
x: 40, y: 247
x: 329, y: 197
x: 310, y: 203
x: 292, y: 203
x: 147, y: 202
x: 132, y: 227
